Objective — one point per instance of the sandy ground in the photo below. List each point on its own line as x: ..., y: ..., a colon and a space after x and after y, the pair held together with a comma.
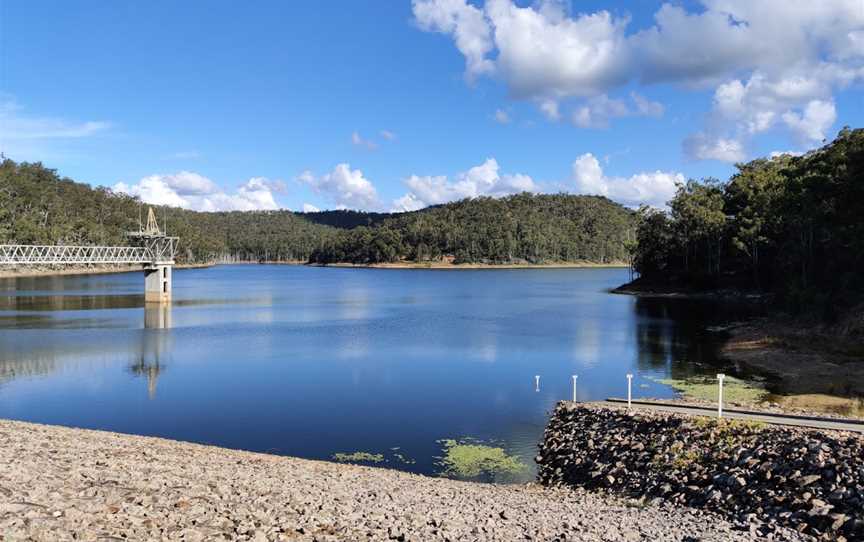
x: 70, y: 484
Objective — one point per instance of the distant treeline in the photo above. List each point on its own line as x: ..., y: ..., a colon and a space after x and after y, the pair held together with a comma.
x: 39, y: 207
x: 789, y: 225
x: 520, y: 228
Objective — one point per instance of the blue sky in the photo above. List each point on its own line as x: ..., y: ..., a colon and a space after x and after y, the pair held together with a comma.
x: 396, y: 105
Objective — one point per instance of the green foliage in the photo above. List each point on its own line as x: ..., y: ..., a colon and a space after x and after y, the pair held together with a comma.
x: 39, y: 207
x: 706, y: 389
x: 358, y: 457
x: 466, y: 459
x: 521, y: 228
x: 789, y: 225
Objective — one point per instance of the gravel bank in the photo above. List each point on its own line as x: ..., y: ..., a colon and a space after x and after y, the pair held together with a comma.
x: 789, y: 478
x: 62, y: 484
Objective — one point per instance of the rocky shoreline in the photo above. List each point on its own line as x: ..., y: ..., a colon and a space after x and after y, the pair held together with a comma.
x: 70, y: 484
x: 786, y: 478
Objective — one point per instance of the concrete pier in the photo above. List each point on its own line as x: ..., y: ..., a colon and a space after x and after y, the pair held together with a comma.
x: 157, y: 284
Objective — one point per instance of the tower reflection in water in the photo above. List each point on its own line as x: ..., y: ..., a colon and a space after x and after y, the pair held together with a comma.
x: 154, y: 344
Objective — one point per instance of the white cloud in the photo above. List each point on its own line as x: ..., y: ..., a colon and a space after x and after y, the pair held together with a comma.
x: 600, y: 110
x: 653, y: 189
x: 193, y: 191
x: 359, y: 141
x: 812, y: 124
x: 482, y: 180
x: 502, y: 117
x: 466, y: 23
x: 408, y: 202
x: 345, y: 187
x: 309, y: 208
x: 388, y: 135
x: 701, y: 146
x: 646, y: 107
x: 768, y: 60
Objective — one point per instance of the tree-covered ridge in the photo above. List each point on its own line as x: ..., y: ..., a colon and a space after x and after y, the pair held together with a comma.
x: 39, y: 207
x: 789, y: 225
x: 521, y: 228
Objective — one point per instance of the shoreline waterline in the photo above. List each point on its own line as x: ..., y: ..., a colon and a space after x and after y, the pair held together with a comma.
x: 27, y: 273
x: 79, y: 271
x: 107, y: 485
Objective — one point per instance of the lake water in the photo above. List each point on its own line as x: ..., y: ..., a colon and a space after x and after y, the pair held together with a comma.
x: 311, y: 361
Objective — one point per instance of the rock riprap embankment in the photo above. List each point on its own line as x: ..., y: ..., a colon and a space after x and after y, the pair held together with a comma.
x: 64, y: 484
x: 807, y: 480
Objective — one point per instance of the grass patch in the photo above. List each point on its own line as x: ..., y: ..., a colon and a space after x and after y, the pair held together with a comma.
x: 832, y: 404
x: 468, y: 459
x: 358, y: 457
x: 705, y: 389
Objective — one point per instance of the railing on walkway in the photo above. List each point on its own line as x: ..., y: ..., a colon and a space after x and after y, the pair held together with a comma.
x: 60, y: 255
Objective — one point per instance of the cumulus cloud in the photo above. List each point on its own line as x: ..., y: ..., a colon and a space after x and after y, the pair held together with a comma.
x: 702, y: 146
x: 768, y: 60
x: 653, y: 189
x: 468, y: 26
x: 811, y: 125
x: 309, y: 208
x: 194, y: 191
x: 347, y: 188
x: 482, y: 180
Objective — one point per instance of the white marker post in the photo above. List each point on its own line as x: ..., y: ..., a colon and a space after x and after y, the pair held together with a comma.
x: 720, y: 378
x: 574, y: 387
x: 537, y: 383
x: 629, y: 389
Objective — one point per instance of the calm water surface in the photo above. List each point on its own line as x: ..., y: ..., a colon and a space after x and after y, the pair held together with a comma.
x: 313, y: 361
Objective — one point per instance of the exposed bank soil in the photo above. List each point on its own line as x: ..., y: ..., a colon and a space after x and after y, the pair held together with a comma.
x: 48, y: 271
x: 64, y: 484
x: 643, y: 288
x: 809, y: 368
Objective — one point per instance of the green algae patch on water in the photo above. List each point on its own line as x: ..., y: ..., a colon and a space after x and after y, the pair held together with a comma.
x: 472, y: 460
x: 358, y: 457
x: 705, y: 389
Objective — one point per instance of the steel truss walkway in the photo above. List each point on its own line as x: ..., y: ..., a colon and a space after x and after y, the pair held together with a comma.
x: 153, y: 249
x: 72, y: 255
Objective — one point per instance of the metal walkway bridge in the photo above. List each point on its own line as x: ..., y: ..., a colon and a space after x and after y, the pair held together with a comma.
x: 153, y: 249
x: 72, y: 255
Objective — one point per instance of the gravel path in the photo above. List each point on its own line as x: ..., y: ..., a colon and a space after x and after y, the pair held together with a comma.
x: 62, y: 484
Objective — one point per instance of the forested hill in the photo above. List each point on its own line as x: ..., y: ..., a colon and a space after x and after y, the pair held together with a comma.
x: 39, y: 207
x: 520, y: 228
x: 789, y: 225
